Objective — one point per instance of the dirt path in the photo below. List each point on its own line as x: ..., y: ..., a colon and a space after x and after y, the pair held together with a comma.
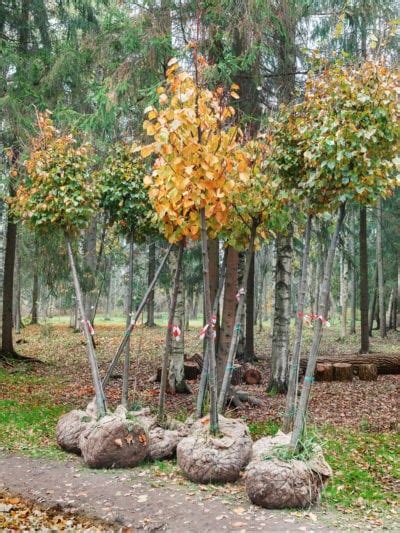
x: 137, y: 499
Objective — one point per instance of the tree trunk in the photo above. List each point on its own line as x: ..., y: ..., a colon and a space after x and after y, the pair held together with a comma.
x: 294, y: 367
x: 90, y: 262
x: 109, y: 291
x: 129, y: 310
x: 17, y: 319
x: 343, y: 291
x: 379, y: 264
x: 228, y: 311
x: 236, y: 330
x: 35, y: 296
x: 205, y: 364
x: 372, y: 311
x: 169, y: 336
x: 212, y: 379
x: 353, y: 272
x: 364, y: 281
x: 280, y: 339
x: 100, y: 397
x: 138, y: 312
x: 7, y: 347
x: 3, y: 242
x: 249, y: 355
x: 150, y: 275
x: 322, y: 312
x: 176, y: 372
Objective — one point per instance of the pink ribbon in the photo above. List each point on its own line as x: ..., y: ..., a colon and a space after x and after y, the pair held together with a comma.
x: 308, y: 317
x: 89, y: 325
x: 240, y: 293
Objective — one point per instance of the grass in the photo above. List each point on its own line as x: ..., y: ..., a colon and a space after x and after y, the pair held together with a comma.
x: 28, y: 420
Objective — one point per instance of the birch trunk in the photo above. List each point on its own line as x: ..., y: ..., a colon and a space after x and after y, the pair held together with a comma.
x: 176, y: 372
x: 301, y: 413
x: 343, y: 291
x: 294, y: 367
x: 150, y: 275
x: 169, y: 337
x: 280, y: 337
x: 129, y: 310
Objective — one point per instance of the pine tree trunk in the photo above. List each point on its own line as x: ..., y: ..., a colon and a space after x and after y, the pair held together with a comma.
x: 100, y: 397
x: 364, y: 281
x: 7, y: 347
x: 129, y: 310
x: 301, y: 413
x: 35, y: 296
x: 236, y: 330
x: 373, y: 305
x: 150, y: 275
x: 17, y: 319
x: 280, y: 338
x: 176, y: 372
x: 379, y: 263
x: 294, y: 367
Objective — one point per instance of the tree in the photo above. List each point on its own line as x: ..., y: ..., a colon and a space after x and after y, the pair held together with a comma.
x: 348, y: 132
x: 58, y: 192
x: 126, y: 202
x: 191, y: 178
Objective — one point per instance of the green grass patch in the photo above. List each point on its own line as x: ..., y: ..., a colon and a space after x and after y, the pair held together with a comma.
x: 263, y: 429
x: 27, y: 415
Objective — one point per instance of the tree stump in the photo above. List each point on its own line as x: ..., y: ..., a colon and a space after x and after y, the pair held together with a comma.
x: 252, y: 376
x: 343, y: 371
x: 368, y: 372
x: 324, y: 372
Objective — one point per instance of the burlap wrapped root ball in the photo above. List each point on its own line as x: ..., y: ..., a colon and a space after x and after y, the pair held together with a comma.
x: 205, y: 458
x: 162, y: 440
x: 114, y: 442
x: 69, y: 428
x: 274, y: 483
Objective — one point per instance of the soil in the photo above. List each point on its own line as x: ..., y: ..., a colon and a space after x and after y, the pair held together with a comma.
x: 137, y: 501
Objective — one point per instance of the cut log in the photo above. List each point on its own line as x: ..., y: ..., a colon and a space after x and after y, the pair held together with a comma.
x: 236, y: 374
x: 368, y: 372
x: 196, y: 358
x: 252, y: 376
x: 386, y: 363
x: 191, y: 369
x: 343, y: 372
x: 324, y: 372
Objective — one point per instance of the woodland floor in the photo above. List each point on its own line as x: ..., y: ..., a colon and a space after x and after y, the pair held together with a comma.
x: 357, y: 423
